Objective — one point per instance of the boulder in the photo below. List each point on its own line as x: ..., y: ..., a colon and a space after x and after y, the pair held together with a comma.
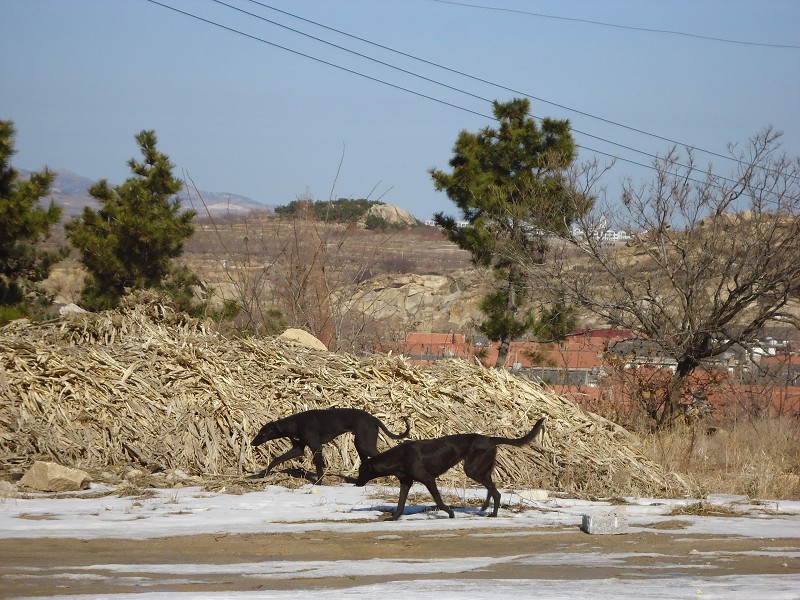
x: 7, y: 490
x: 52, y: 477
x: 303, y: 337
x: 535, y: 495
x: 71, y: 308
x: 435, y: 302
x: 392, y: 214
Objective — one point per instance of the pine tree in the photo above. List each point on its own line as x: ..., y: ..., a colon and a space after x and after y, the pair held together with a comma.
x: 23, y: 223
x: 510, y: 187
x: 129, y: 243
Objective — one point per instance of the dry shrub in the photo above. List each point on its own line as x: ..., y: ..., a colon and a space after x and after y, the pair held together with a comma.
x: 760, y: 458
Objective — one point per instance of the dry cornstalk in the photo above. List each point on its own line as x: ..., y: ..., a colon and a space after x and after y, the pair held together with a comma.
x: 148, y: 386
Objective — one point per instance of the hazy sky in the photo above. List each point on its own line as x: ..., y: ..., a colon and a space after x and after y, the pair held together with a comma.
x: 274, y: 115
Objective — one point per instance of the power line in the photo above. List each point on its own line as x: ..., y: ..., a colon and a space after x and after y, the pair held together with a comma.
x: 314, y: 58
x: 497, y: 85
x: 377, y: 80
x: 389, y: 84
x: 618, y: 26
x: 407, y: 72
x: 462, y: 91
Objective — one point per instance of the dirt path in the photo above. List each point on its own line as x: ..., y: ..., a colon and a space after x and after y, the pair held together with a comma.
x: 208, y: 563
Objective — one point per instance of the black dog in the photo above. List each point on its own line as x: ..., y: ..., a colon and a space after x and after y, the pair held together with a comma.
x: 313, y: 428
x: 425, y: 460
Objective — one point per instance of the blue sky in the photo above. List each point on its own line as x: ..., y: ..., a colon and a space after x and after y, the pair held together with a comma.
x: 237, y: 114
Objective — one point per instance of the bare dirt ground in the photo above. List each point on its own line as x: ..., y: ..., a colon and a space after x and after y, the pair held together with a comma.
x: 70, y: 566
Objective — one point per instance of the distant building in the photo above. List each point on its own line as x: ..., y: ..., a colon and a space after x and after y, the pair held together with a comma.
x: 607, y: 235
x: 579, y: 368
x: 459, y: 224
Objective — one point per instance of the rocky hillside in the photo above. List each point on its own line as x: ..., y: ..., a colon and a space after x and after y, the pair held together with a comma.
x: 411, y: 302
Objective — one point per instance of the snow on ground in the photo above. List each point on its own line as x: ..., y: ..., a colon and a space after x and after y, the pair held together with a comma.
x: 192, y: 511
x: 775, y: 587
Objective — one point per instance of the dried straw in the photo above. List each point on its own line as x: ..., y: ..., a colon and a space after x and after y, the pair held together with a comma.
x: 144, y: 385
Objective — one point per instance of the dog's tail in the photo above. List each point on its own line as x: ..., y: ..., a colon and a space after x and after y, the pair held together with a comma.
x: 525, y: 439
x: 396, y: 436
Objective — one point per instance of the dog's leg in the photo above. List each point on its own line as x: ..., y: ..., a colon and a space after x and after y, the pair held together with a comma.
x: 479, y: 467
x: 492, y: 494
x: 296, y: 450
x: 405, y: 485
x: 487, y: 501
x: 319, y: 463
x: 431, y: 485
x: 260, y: 475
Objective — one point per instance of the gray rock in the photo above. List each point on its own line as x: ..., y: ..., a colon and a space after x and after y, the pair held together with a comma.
x: 70, y: 309
x: 52, y: 477
x: 7, y: 490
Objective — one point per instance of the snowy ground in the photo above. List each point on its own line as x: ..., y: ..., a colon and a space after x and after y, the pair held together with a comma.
x: 345, y: 508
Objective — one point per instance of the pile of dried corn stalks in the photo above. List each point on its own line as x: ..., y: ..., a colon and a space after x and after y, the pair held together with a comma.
x: 146, y: 386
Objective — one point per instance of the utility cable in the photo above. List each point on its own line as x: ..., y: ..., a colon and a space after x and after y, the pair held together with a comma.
x: 384, y: 82
x: 411, y: 73
x: 617, y: 26
x: 501, y: 86
x: 319, y: 60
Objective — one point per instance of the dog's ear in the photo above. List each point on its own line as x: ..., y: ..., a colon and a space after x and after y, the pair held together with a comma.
x: 264, y: 434
x: 271, y: 431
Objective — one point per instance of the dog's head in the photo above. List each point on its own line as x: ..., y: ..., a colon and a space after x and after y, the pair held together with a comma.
x: 270, y: 431
x: 366, y: 473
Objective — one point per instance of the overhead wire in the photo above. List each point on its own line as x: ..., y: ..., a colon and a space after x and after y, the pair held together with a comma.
x: 399, y: 87
x: 407, y: 72
x: 497, y: 85
x: 384, y: 82
x: 503, y: 87
x: 316, y: 59
x: 491, y: 83
x: 618, y: 26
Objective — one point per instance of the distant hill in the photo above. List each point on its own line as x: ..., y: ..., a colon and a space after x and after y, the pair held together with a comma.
x: 70, y: 191
x: 221, y: 203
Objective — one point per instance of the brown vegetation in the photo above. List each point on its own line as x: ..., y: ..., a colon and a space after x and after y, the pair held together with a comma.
x: 752, y: 455
x: 147, y: 387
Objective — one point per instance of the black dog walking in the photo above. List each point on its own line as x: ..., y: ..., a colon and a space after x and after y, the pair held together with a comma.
x: 313, y: 428
x: 425, y: 460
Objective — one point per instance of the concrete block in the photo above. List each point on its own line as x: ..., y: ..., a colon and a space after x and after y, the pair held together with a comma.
x: 611, y: 523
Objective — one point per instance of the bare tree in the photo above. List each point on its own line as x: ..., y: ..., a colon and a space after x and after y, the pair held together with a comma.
x: 712, y: 260
x: 247, y: 256
x: 316, y: 281
x: 301, y: 272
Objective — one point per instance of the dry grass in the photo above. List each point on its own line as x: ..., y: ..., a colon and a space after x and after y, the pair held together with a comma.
x: 415, y: 250
x: 704, y: 509
x: 760, y: 459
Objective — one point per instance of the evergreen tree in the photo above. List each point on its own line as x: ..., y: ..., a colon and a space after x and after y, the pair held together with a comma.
x: 510, y: 186
x: 23, y: 223
x: 129, y: 243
